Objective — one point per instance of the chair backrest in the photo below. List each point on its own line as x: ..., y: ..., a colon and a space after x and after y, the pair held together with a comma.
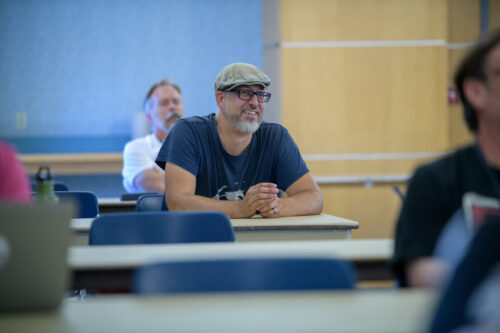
x: 86, y: 202
x: 400, y: 194
x: 160, y: 227
x: 57, y: 187
x: 150, y: 202
x: 246, y: 274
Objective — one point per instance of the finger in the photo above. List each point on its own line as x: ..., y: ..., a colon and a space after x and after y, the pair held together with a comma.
x: 265, y: 186
x: 258, y: 195
x: 263, y: 202
x: 265, y: 190
x: 271, y: 213
x: 270, y: 206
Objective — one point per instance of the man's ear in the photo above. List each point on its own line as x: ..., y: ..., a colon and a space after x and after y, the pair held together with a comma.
x: 476, y: 92
x: 220, y: 99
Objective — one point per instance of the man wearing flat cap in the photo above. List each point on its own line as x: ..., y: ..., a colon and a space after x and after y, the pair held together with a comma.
x: 234, y: 162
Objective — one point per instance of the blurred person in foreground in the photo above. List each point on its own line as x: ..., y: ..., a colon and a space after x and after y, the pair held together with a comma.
x: 235, y: 162
x: 14, y: 182
x: 163, y: 106
x: 435, y: 191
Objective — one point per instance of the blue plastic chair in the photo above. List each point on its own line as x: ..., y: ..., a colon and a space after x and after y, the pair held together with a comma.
x: 247, y: 274
x: 88, y: 206
x: 149, y: 203
x: 57, y: 187
x: 160, y: 227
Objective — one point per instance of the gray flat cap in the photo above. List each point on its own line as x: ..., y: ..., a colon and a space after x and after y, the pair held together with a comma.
x: 238, y: 74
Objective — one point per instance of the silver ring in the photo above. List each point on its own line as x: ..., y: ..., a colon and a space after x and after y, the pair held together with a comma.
x: 275, y: 211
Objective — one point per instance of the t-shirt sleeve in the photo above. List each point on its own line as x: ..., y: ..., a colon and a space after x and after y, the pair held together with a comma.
x: 420, y: 221
x: 135, y: 160
x: 181, y: 148
x: 290, y: 165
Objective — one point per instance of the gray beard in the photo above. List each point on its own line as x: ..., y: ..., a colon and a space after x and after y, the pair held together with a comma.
x: 244, y: 126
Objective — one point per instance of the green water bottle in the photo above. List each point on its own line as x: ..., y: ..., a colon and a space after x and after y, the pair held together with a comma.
x: 45, y: 186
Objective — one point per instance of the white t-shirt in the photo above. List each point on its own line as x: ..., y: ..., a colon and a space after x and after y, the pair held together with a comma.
x: 139, y: 154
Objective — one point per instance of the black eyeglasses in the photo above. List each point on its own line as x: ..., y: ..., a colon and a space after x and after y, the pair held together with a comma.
x: 247, y: 95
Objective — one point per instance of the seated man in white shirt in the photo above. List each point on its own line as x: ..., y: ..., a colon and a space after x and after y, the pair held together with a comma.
x: 163, y: 107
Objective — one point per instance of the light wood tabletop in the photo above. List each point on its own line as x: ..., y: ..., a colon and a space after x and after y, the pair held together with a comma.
x: 311, y: 227
x: 325, y: 311
x: 93, y: 267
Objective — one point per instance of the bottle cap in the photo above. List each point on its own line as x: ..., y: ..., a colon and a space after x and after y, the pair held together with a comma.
x: 43, y: 173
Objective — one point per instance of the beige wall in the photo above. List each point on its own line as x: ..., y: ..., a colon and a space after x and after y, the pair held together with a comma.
x: 366, y: 100
x: 463, y: 28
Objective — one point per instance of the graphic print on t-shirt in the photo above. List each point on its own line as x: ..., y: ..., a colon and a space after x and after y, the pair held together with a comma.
x: 228, y: 195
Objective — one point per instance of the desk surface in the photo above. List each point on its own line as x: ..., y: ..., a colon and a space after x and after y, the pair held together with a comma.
x: 115, y: 205
x: 317, y: 222
x: 126, y: 256
x: 326, y: 311
x: 111, y: 268
x: 115, y: 202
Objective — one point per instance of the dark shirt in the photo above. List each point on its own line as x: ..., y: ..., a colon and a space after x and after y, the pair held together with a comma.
x: 434, y: 194
x: 194, y: 145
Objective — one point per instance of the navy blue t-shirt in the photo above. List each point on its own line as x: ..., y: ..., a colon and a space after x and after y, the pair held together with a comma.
x: 194, y: 145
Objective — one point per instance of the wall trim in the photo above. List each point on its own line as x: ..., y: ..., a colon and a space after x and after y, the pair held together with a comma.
x: 364, y: 43
x: 373, y: 156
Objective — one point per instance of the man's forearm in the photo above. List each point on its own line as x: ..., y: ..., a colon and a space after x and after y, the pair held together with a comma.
x: 303, y: 203
x: 234, y: 209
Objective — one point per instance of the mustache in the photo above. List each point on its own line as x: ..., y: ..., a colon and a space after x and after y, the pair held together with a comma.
x: 250, y: 108
x: 172, y: 115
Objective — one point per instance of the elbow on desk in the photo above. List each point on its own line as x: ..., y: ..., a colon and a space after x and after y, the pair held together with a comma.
x: 319, y: 203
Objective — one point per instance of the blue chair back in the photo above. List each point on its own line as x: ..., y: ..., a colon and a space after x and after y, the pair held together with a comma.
x: 86, y: 202
x: 248, y: 274
x: 150, y: 202
x: 57, y: 187
x: 160, y: 227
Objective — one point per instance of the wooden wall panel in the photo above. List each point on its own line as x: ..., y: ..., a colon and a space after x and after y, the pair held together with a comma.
x: 365, y: 167
x: 376, y: 209
x: 494, y: 14
x: 463, y: 27
x: 372, y: 99
x: 345, y: 20
x: 377, y: 99
x: 463, y: 20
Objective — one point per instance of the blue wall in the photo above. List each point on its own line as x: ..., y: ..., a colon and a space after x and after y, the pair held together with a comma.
x: 79, y: 69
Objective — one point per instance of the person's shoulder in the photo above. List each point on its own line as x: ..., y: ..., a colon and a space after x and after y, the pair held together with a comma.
x: 139, y: 141
x: 269, y: 128
x: 5, y: 148
x: 449, y: 162
x: 194, y: 122
x: 197, y: 119
x: 447, y: 169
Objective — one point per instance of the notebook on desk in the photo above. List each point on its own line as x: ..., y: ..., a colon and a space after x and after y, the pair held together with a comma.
x: 33, y: 247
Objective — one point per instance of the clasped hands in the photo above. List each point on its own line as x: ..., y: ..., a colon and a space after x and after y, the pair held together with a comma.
x: 263, y: 197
